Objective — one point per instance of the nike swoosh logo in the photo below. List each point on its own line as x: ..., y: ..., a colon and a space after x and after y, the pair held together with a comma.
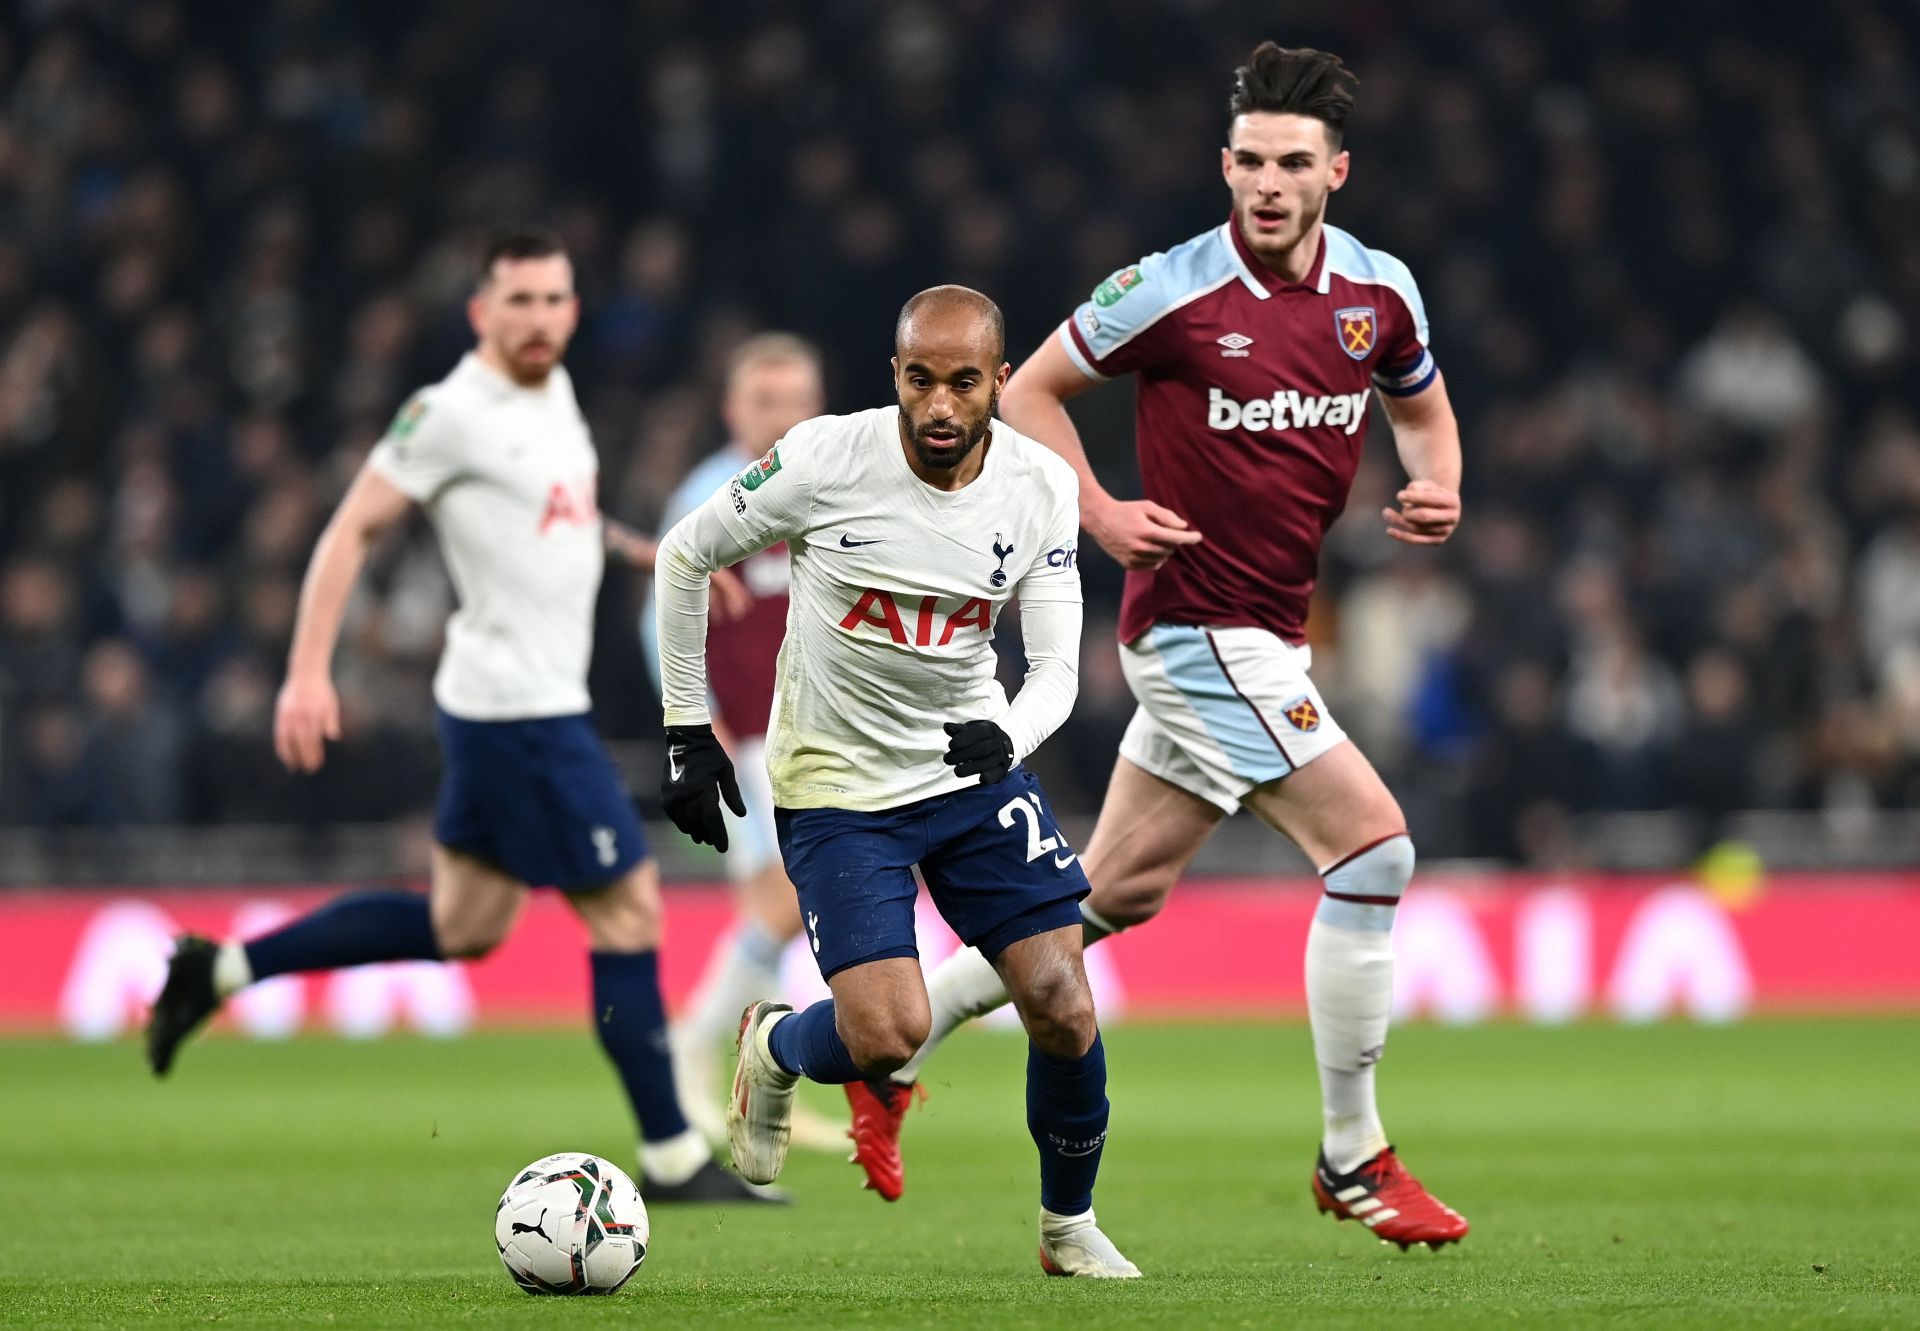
x: 848, y: 543
x: 674, y: 769
x: 1062, y: 861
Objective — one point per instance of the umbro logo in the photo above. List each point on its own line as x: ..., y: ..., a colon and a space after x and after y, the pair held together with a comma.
x: 1235, y: 344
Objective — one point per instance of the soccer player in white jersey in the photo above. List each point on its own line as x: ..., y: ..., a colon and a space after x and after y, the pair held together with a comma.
x: 1257, y: 346
x: 499, y: 456
x: 893, y: 744
x: 774, y: 381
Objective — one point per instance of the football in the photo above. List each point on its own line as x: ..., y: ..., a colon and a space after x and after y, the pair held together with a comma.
x: 571, y: 1223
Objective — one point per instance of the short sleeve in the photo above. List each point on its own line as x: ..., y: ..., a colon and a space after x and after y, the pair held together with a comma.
x: 1406, y: 364
x: 1122, y: 327
x: 420, y: 451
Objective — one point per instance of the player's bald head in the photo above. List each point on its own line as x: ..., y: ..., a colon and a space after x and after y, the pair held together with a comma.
x: 955, y: 319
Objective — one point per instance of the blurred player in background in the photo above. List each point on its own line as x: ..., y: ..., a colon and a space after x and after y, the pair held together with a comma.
x: 1256, y: 345
x: 893, y: 745
x: 500, y: 457
x: 774, y: 382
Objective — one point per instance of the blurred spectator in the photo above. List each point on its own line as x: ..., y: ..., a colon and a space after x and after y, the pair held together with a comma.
x: 1675, y: 293
x: 1889, y: 582
x: 1625, y: 708
x: 1713, y: 769
x: 39, y: 651
x: 133, y: 740
x: 1749, y: 374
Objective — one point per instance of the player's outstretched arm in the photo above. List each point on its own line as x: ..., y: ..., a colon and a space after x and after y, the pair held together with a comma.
x: 307, y: 713
x: 730, y: 600
x: 1137, y: 533
x: 1427, y: 437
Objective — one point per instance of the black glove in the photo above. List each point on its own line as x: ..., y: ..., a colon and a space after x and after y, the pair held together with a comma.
x: 698, y: 774
x: 979, y: 747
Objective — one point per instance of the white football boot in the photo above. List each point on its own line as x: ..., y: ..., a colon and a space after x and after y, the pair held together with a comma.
x: 1073, y: 1245
x: 703, y: 1099
x: 760, y: 1110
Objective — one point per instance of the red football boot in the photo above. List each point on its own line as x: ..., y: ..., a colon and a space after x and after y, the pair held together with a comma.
x: 1384, y: 1197
x: 879, y: 1108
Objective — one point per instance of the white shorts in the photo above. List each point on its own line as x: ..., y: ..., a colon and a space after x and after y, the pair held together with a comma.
x: 1222, y: 710
x: 752, y: 844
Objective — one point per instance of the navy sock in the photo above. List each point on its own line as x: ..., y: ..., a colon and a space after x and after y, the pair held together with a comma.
x: 807, y: 1043
x: 631, y: 1019
x: 1067, y: 1115
x: 349, y: 931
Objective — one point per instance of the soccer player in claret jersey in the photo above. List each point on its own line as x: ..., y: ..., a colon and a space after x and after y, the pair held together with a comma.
x: 773, y: 383
x: 499, y: 456
x: 893, y: 745
x: 1256, y: 345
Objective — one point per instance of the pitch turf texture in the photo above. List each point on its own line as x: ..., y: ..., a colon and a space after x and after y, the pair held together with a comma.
x: 1674, y: 1176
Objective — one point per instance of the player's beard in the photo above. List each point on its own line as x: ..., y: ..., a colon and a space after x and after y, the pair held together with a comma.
x: 532, y: 374
x: 1306, y: 214
x: 946, y: 459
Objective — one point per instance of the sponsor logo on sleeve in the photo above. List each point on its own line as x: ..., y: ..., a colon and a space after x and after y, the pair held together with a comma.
x: 1110, y: 291
x: 756, y: 476
x: 406, y: 421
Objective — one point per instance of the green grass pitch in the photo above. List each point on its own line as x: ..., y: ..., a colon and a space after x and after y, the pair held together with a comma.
x: 1760, y: 1175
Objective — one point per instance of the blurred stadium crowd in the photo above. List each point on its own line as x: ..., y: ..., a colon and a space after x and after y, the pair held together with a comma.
x: 1668, y: 251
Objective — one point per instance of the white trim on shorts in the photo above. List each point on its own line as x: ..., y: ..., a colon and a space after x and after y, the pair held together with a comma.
x: 1222, y: 710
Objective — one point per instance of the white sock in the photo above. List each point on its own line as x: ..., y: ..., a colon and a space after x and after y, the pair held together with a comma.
x: 676, y: 1159
x: 1350, y: 994
x: 1054, y: 1226
x: 962, y: 987
x: 231, y: 970
x: 744, y: 966
x: 1349, y: 997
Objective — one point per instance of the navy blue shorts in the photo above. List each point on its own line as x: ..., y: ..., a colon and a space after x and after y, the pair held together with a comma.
x: 995, y: 863
x: 539, y: 799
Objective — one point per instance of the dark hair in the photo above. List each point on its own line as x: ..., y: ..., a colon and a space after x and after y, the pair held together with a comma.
x: 1301, y: 82
x: 517, y: 242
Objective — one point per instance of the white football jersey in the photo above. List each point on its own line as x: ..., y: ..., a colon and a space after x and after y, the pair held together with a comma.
x: 509, y: 479
x: 895, y: 590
